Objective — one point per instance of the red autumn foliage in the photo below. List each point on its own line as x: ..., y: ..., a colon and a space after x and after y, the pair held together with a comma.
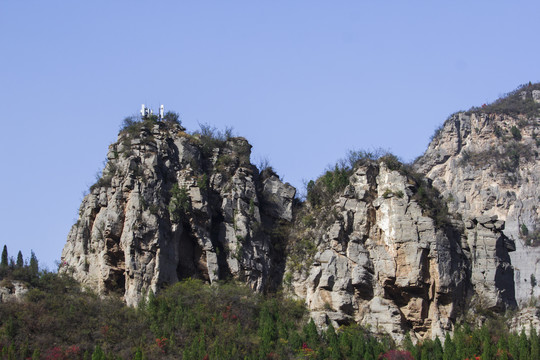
x: 397, y: 355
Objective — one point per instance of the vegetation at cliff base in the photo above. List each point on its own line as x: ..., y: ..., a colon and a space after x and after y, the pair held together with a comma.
x: 59, y: 319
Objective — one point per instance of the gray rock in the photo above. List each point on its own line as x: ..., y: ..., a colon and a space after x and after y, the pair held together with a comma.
x: 131, y: 238
x: 12, y: 290
x: 488, y: 191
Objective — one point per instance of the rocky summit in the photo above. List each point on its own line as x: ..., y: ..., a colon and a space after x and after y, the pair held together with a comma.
x: 170, y: 206
x: 397, y: 248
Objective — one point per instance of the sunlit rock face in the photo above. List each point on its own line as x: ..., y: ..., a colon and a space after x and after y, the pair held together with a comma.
x: 487, y: 165
x: 170, y: 206
x: 383, y: 262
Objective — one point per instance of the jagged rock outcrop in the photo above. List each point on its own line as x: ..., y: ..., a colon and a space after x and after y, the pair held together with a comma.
x: 172, y: 205
x: 396, y: 248
x: 525, y: 319
x: 382, y: 262
x: 12, y: 290
x: 486, y: 163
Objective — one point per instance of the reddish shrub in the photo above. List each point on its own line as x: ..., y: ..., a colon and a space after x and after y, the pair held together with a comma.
x: 397, y: 355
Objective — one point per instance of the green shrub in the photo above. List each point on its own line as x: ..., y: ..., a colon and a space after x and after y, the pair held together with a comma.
x: 524, y: 230
x: 516, y: 134
x: 179, y: 203
x: 512, y: 103
x: 171, y: 117
x: 210, y: 138
x: 506, y: 161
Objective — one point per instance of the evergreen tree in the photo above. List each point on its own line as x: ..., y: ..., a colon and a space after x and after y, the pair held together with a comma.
x: 34, y: 267
x: 333, y: 344
x: 20, y: 261
x: 437, y: 349
x: 409, y: 346
x: 138, y: 354
x: 502, y: 348
x: 488, y: 350
x: 267, y: 328
x: 98, y: 353
x: 523, y: 346
x: 4, y: 262
x: 36, y: 355
x: 535, y: 349
x: 513, y: 345
x: 311, y: 335
x: 449, y: 348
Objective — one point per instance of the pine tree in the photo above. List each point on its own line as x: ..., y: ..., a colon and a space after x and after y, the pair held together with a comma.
x: 437, y: 349
x: 449, y: 348
x: 513, y: 345
x: 98, y: 353
x: 36, y: 355
x: 535, y: 349
x: 488, y: 350
x: 333, y: 343
x: 34, y: 267
x: 138, y: 354
x: 523, y: 346
x: 409, y: 346
x: 20, y: 261
x: 311, y: 335
x: 267, y: 330
x: 502, y: 348
x: 4, y: 262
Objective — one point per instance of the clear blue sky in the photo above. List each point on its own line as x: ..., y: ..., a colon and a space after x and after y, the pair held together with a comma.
x: 303, y: 81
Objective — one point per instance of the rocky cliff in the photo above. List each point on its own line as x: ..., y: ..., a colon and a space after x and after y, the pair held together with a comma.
x: 485, y: 162
x: 170, y: 205
x: 398, y: 248
x: 385, y: 255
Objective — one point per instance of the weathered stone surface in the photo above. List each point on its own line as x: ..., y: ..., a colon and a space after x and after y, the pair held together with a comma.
x: 469, y: 162
x: 386, y: 264
x: 12, y: 290
x: 525, y: 319
x: 377, y: 256
x: 536, y: 95
x: 130, y: 238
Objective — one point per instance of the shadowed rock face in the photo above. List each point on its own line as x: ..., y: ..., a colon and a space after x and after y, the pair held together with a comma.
x: 167, y: 208
x: 487, y: 165
x: 382, y: 262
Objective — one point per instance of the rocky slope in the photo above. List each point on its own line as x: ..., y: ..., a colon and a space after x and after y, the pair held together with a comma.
x: 171, y: 205
x: 485, y: 162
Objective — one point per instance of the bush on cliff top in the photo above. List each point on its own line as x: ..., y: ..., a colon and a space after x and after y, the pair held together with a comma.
x: 132, y: 125
x: 513, y: 103
x: 322, y: 191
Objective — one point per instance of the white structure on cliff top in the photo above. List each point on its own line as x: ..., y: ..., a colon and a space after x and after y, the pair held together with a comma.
x: 145, y: 112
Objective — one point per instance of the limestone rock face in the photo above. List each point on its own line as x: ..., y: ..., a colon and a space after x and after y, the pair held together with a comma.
x: 487, y: 165
x: 382, y: 262
x: 380, y: 252
x: 12, y: 291
x: 525, y: 319
x: 171, y: 205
